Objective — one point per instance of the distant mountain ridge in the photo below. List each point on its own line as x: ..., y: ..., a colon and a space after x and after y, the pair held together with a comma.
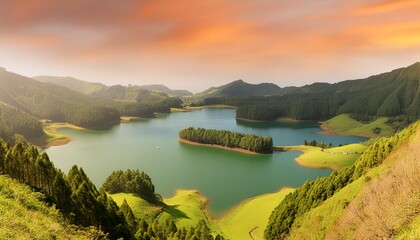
x: 388, y: 94
x: 24, y: 101
x: 117, y: 92
x: 239, y: 88
x: 72, y: 83
x: 165, y: 89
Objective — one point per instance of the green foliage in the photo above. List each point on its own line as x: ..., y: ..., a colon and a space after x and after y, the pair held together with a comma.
x: 314, y: 143
x: 24, y: 214
x: 13, y: 121
x: 312, y: 193
x: 59, y: 104
x: 75, y: 196
x: 388, y: 94
x: 229, y: 139
x: 132, y: 181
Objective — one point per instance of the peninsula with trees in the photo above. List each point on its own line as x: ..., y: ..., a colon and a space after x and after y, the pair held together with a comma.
x: 249, y: 143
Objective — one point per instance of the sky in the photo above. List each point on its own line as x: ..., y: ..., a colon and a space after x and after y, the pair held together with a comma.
x: 198, y: 44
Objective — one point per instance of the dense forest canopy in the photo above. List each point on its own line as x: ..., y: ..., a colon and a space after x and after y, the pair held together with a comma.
x: 136, y: 182
x: 389, y: 94
x: 229, y: 139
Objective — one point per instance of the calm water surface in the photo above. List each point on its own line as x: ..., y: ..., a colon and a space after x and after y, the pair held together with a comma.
x: 225, y: 177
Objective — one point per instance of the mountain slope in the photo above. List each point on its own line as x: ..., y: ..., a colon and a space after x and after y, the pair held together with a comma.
x: 165, y: 89
x: 388, y: 94
x: 24, y: 215
x: 381, y: 204
x: 72, y: 83
x: 313, y: 208
x: 116, y: 92
x: 240, y: 88
x: 60, y: 104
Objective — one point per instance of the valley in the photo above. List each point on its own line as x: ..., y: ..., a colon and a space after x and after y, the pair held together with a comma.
x: 220, y: 192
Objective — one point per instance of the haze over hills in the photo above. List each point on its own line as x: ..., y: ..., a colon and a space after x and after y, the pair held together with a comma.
x: 117, y: 92
x: 165, y: 89
x: 72, y: 83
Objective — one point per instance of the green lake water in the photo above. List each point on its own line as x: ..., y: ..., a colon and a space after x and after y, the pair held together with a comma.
x: 224, y: 177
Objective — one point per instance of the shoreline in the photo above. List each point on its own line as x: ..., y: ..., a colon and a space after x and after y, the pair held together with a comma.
x: 181, y: 140
x: 331, y: 132
x: 250, y: 120
x: 318, y: 158
x: 299, y: 161
x: 220, y: 106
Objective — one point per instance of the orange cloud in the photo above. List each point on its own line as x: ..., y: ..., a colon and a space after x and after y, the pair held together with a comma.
x: 385, y: 6
x: 226, y: 35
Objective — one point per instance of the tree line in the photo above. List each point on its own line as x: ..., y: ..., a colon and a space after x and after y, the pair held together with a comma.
x: 322, y: 145
x: 313, y: 193
x: 132, y: 181
x: 229, y: 139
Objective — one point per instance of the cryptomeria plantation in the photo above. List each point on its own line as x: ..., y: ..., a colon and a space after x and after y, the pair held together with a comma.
x: 229, y: 139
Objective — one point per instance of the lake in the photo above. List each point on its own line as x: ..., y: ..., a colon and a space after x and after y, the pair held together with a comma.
x: 224, y: 177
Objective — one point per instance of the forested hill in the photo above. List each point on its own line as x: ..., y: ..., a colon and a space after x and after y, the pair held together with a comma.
x: 240, y: 88
x: 388, y: 94
x: 72, y: 83
x: 31, y: 99
x: 165, y: 89
x: 131, y: 93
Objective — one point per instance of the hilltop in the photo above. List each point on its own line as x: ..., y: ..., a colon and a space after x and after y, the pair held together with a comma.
x: 394, y: 94
x: 24, y: 102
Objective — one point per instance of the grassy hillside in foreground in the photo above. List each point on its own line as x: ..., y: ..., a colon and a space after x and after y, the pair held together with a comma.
x: 335, y: 158
x: 344, y: 124
x: 315, y: 192
x: 24, y: 216
x: 188, y: 207
x: 383, y: 204
x: 249, y: 219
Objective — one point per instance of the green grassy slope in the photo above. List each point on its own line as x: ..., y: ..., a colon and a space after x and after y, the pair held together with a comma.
x: 344, y: 124
x: 188, y: 207
x: 334, y: 158
x: 249, y: 219
x: 383, y: 204
x: 72, y: 83
x: 24, y: 216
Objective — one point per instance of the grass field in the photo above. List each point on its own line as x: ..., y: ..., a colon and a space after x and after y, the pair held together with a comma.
x: 334, y: 158
x: 24, y: 216
x: 316, y: 223
x: 188, y: 207
x: 344, y: 124
x: 141, y: 208
x: 249, y: 219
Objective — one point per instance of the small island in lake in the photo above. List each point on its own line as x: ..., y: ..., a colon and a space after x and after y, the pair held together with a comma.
x: 227, y: 139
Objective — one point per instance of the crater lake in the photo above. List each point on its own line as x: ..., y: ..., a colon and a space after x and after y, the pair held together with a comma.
x: 224, y: 177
